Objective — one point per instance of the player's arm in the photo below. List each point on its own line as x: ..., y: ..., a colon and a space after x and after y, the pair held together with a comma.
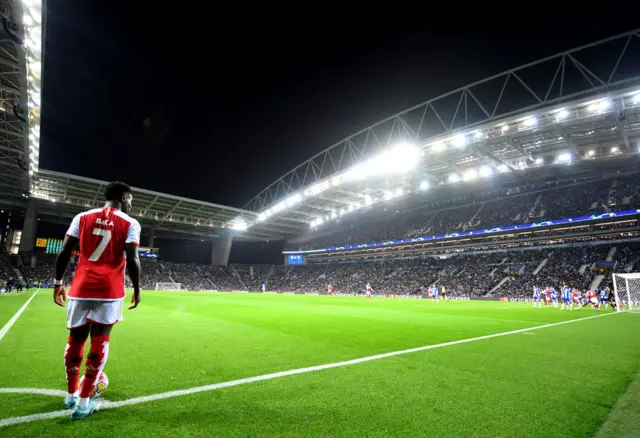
x: 133, y: 268
x: 62, y: 261
x: 133, y: 261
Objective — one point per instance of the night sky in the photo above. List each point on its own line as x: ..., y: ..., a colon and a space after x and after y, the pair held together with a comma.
x: 216, y: 104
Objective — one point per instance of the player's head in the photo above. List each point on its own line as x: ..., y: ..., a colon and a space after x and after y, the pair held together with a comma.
x: 120, y: 192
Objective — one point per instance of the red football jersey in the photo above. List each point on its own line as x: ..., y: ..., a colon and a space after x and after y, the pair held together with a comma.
x: 100, y: 271
x: 329, y: 288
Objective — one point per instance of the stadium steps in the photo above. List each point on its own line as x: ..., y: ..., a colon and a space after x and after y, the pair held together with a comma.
x: 595, y: 283
x: 540, y: 266
x: 497, y: 286
x: 532, y: 212
x: 611, y: 253
x: 237, y: 276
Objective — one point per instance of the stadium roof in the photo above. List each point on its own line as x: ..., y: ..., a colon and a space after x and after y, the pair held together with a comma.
x: 580, y: 104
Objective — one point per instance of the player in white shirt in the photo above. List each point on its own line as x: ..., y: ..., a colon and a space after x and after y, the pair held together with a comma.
x: 368, y: 291
x: 434, y: 295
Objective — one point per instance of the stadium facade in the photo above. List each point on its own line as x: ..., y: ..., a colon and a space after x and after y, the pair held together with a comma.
x: 567, y: 118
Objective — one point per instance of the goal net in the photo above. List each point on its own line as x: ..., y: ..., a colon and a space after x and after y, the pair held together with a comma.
x: 626, y: 288
x: 168, y: 286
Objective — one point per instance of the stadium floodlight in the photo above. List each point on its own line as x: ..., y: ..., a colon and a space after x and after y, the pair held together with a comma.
x: 32, y: 21
x: 470, y: 175
x: 626, y: 290
x: 459, y: 140
x: 636, y: 98
x: 486, y: 171
x: 237, y: 224
x: 530, y: 122
x: 478, y: 134
x: 504, y: 128
x: 368, y: 200
x: 424, y: 185
x: 454, y: 177
x: 539, y: 161
x: 503, y: 168
x: 388, y: 195
x: 438, y: 146
x: 401, y: 158
x: 591, y: 153
x: 399, y: 191
x: 562, y: 114
x: 614, y: 149
x: 564, y: 158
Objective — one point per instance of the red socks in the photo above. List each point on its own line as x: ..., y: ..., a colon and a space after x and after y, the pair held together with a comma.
x: 96, y: 359
x: 73, y: 354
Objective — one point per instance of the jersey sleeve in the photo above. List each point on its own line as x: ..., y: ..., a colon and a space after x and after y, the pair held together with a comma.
x: 74, y: 228
x: 133, y: 234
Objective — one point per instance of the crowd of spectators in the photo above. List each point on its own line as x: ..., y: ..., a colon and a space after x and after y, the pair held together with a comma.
x: 481, y: 210
x: 511, y: 273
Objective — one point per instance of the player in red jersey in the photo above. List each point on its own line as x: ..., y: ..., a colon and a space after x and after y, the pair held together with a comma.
x: 329, y: 289
x: 592, y: 298
x: 368, y: 291
x: 108, y: 240
x: 547, y: 297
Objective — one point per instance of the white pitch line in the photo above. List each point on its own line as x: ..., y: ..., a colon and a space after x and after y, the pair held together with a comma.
x: 15, y: 317
x: 39, y: 391
x: 170, y: 394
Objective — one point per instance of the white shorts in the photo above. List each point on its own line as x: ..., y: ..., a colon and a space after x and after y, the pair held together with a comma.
x: 82, y: 312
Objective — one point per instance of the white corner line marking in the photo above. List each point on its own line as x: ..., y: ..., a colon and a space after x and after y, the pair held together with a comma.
x: 170, y: 394
x: 39, y: 391
x: 15, y: 317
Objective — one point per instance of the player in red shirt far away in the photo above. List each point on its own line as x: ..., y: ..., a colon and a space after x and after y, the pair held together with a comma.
x: 108, y: 240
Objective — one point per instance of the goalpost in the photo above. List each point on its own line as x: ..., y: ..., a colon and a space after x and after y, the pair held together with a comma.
x: 626, y: 288
x: 168, y: 286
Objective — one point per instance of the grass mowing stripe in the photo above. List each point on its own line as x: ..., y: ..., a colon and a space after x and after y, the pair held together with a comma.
x: 15, y: 317
x: 624, y: 419
x: 228, y: 384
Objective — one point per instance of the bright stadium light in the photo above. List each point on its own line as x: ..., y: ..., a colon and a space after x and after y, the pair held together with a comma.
x: 239, y: 225
x: 530, y: 122
x: 503, y: 168
x: 470, y: 175
x: 459, y: 140
x: 454, y: 177
x: 486, y: 171
x: 32, y: 20
x: 636, y: 98
x: 564, y: 158
x: 539, y: 161
x: 424, y: 185
x: 562, y: 114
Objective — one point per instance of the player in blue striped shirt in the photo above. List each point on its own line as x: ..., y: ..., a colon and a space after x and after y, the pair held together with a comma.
x: 567, y: 298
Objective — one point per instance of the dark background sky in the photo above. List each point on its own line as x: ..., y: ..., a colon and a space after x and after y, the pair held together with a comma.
x: 234, y: 99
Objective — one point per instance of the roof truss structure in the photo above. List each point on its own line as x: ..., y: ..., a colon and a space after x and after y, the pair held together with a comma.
x: 571, y: 78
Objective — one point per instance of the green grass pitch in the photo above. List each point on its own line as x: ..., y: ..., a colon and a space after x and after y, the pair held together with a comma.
x: 567, y: 380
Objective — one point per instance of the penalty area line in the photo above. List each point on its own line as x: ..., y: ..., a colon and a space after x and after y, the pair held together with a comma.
x: 15, y: 317
x: 181, y: 392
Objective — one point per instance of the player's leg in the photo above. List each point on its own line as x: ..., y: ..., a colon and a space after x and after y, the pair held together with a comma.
x: 77, y: 312
x: 73, y: 354
x: 103, y: 316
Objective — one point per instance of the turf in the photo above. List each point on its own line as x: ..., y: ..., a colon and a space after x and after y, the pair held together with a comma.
x: 557, y: 381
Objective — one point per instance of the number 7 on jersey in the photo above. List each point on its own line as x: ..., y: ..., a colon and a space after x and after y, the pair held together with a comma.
x: 106, y: 238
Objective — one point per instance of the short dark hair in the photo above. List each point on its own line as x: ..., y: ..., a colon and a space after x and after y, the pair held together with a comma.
x: 115, y: 191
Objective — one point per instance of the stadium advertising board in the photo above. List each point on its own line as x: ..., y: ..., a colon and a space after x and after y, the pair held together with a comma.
x: 295, y: 259
x: 144, y: 251
x: 493, y: 230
